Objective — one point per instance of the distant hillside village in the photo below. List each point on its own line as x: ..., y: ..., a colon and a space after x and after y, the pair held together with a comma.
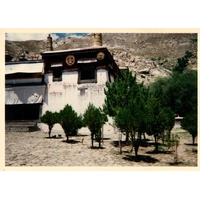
x: 73, y: 76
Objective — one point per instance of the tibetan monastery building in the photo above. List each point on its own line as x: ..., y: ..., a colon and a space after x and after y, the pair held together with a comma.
x: 74, y: 76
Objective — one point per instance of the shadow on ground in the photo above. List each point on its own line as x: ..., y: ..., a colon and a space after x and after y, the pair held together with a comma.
x: 53, y: 137
x: 81, y: 135
x: 159, y: 152
x: 71, y: 141
x: 175, y: 163
x: 144, y: 143
x: 190, y: 144
x: 106, y: 138
x: 116, y: 143
x: 96, y: 147
x: 141, y: 158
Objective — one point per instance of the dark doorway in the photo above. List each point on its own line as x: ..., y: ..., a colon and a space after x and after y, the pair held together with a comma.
x: 22, y: 112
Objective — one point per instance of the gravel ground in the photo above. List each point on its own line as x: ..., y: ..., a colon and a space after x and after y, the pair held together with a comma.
x: 36, y: 149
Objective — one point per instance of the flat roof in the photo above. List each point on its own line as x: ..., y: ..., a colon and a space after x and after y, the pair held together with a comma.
x: 24, y: 67
x: 78, y: 49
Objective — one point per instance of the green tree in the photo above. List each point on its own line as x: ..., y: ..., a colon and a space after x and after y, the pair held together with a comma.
x: 167, y: 119
x: 131, y: 120
x: 182, y: 92
x: 159, y: 88
x: 153, y: 109
x: 70, y: 121
x: 189, y: 123
x: 158, y: 119
x: 49, y: 118
x: 125, y: 102
x: 178, y: 91
x: 94, y: 119
x: 119, y: 93
x: 182, y: 63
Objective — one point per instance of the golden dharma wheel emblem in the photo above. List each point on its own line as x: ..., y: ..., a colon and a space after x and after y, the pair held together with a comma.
x: 70, y: 60
x: 100, y: 56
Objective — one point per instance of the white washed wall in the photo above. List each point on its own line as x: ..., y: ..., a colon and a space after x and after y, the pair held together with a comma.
x: 67, y: 91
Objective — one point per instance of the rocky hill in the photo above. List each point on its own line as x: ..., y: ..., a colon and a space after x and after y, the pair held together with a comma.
x: 148, y: 55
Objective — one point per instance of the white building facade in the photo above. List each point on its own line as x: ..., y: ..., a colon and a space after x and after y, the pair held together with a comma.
x: 77, y: 85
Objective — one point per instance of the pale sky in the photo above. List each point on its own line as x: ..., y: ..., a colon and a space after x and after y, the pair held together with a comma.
x: 38, y: 36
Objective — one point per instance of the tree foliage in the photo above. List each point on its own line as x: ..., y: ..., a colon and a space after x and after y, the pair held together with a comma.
x: 189, y: 123
x: 118, y: 93
x: 179, y: 92
x: 136, y: 110
x: 158, y: 119
x: 94, y: 119
x: 50, y: 118
x: 70, y: 121
x: 182, y: 63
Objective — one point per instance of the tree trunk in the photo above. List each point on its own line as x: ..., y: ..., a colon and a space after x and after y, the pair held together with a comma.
x: 132, y: 141
x: 100, y: 140
x: 144, y: 137
x: 156, y: 144
x: 92, y: 138
x: 50, y: 128
x: 193, y: 139
x: 137, y: 144
x: 102, y: 135
x: 127, y: 138
x: 67, y: 137
x: 120, y: 147
x: 136, y: 149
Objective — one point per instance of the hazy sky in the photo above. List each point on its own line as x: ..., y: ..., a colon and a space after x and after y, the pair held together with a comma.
x: 39, y: 36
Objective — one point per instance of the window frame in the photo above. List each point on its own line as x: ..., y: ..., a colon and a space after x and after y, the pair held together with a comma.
x: 89, y: 80
x: 57, y: 69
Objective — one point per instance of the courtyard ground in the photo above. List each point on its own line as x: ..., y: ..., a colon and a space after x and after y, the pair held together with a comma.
x: 36, y: 149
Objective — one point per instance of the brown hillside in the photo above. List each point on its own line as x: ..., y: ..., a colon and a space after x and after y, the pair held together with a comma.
x: 148, y: 55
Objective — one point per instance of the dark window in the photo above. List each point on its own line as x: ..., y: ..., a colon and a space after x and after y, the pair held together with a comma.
x: 87, y: 74
x: 57, y: 74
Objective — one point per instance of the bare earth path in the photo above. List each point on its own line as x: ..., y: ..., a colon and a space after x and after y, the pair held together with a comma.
x: 35, y: 149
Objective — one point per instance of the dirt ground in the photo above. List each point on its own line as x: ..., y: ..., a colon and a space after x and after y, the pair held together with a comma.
x: 36, y: 149
x: 187, y: 153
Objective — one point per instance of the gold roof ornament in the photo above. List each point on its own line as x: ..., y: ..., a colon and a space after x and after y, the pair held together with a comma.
x: 96, y: 39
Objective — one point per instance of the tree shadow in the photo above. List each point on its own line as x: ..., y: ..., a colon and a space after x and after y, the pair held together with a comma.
x: 54, y: 137
x: 176, y: 163
x: 146, y: 143
x: 139, y: 158
x: 190, y: 144
x: 106, y: 138
x: 194, y: 150
x: 116, y: 143
x: 71, y: 141
x: 96, y: 147
x: 81, y: 135
x: 159, y: 152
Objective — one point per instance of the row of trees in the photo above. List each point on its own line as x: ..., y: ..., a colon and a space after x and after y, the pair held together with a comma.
x: 70, y: 121
x: 137, y: 109
x: 179, y: 92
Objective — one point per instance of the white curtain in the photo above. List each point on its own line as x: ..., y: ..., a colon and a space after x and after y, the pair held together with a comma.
x: 24, y: 94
